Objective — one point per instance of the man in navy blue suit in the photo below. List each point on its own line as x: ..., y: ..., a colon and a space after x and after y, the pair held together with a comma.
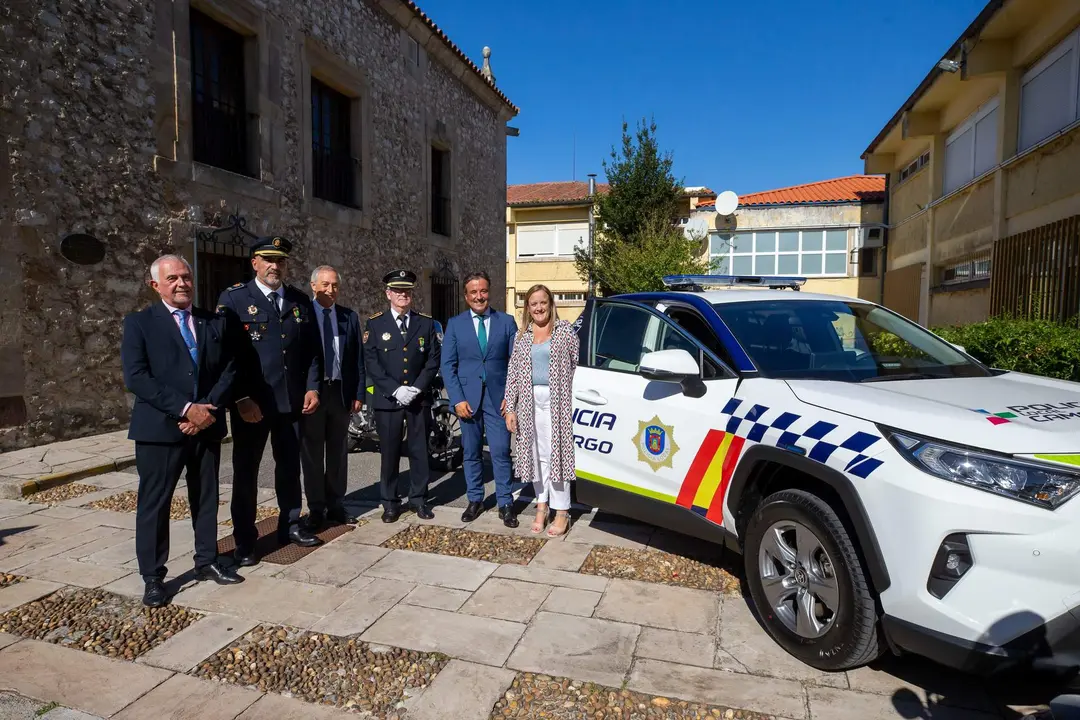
x: 324, y: 434
x: 475, y: 357
x: 179, y: 362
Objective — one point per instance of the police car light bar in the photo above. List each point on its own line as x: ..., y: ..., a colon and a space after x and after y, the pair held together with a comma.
x: 700, y: 282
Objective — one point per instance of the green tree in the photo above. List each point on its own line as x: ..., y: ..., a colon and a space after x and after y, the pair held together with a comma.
x: 640, y: 262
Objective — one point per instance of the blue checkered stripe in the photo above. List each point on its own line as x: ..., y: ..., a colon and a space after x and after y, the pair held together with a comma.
x: 821, y: 441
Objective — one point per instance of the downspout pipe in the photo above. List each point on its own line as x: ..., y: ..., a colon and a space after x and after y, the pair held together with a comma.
x: 884, y: 264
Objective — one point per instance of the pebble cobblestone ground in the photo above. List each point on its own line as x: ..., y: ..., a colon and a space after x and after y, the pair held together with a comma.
x: 9, y: 579
x: 98, y: 622
x: 508, y: 549
x: 325, y: 669
x: 542, y: 696
x: 57, y: 495
x: 657, y: 566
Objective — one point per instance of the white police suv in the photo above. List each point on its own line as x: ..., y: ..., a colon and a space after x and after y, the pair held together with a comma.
x: 886, y: 490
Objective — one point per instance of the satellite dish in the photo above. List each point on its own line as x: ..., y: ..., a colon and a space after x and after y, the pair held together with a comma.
x: 696, y: 226
x: 726, y: 202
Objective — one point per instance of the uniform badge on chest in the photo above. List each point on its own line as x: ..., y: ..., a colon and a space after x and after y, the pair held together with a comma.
x: 252, y: 310
x: 422, y: 348
x: 296, y: 314
x: 386, y: 337
x: 254, y: 333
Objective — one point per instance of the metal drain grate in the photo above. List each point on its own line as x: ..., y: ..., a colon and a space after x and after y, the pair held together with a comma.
x: 268, y: 549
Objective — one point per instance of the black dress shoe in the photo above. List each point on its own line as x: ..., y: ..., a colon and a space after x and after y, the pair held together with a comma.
x: 423, y: 511
x: 299, y: 536
x: 391, y: 514
x: 506, y: 514
x: 217, y: 573
x: 341, y: 516
x: 245, y: 557
x: 315, y: 520
x: 472, y: 512
x: 155, y: 595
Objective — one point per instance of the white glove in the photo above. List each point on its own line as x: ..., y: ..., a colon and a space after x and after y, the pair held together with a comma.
x: 413, y: 392
x: 402, y: 395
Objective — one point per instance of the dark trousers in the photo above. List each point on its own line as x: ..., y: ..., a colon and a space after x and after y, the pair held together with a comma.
x: 324, y: 436
x: 388, y: 423
x: 160, y: 466
x: 249, y: 441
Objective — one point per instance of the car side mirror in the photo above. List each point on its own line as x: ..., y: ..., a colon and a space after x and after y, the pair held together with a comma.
x: 673, y: 366
x: 959, y: 347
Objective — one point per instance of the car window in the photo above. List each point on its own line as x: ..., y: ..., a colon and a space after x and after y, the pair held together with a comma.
x: 840, y: 340
x: 623, y: 334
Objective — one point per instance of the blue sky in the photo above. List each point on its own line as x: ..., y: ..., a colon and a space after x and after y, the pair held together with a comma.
x: 747, y: 96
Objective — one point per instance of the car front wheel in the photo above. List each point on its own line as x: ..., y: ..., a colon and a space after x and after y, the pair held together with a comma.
x: 807, y: 583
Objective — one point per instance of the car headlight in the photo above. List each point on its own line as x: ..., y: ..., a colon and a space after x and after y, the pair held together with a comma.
x: 1040, y: 485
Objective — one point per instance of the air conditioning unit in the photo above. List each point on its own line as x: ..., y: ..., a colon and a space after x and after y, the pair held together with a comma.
x: 870, y: 237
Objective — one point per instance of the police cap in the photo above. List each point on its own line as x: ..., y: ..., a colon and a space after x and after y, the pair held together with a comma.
x: 273, y: 246
x: 400, y: 279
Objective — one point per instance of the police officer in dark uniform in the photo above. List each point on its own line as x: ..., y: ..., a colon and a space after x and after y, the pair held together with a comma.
x: 401, y: 358
x: 279, y: 368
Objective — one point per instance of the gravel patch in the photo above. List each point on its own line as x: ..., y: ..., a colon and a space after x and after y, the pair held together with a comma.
x: 261, y: 513
x: 7, y: 579
x: 128, y: 502
x: 60, y: 493
x: 660, y: 567
x: 508, y: 549
x: 97, y: 622
x: 542, y: 696
x: 325, y: 669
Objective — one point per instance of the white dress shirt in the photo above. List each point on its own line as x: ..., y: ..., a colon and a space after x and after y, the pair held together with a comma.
x: 396, y: 315
x: 335, y: 371
x: 485, y: 318
x: 191, y: 326
x: 266, y: 290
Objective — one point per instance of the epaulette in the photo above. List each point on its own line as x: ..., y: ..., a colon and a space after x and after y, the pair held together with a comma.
x: 423, y: 314
x: 221, y: 309
x: 372, y: 317
x: 237, y: 286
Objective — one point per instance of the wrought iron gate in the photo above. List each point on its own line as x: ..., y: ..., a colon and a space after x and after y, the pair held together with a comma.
x: 222, y: 258
x: 444, y: 293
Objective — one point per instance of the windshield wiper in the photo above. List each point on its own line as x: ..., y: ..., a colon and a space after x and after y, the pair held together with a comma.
x: 903, y: 376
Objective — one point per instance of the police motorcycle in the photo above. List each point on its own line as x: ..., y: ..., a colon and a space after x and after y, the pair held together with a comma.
x: 445, y: 451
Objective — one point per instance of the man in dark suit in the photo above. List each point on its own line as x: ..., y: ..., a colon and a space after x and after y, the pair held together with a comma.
x: 278, y: 371
x: 178, y: 361
x: 325, y: 432
x: 401, y: 358
x: 475, y: 359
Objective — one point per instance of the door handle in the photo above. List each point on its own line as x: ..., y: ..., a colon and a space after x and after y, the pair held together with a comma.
x: 590, y: 396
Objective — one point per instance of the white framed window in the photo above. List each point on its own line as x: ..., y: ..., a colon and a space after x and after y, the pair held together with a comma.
x: 915, y: 166
x: 1049, y: 93
x: 812, y: 253
x: 973, y: 268
x: 971, y: 149
x: 551, y: 239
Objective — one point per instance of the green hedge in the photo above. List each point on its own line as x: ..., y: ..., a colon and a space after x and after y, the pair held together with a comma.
x: 1039, y: 347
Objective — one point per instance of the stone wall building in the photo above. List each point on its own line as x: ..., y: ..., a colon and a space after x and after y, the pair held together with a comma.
x: 355, y: 128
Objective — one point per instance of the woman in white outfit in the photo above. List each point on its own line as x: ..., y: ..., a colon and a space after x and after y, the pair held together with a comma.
x: 539, y: 407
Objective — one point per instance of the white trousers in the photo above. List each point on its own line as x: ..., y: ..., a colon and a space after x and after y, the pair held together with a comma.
x: 557, y: 494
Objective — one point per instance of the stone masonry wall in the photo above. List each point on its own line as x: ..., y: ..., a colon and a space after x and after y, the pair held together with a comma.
x: 81, y: 103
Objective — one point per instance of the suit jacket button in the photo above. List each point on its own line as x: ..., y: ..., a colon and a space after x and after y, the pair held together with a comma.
x: 406, y: 371
x: 282, y: 334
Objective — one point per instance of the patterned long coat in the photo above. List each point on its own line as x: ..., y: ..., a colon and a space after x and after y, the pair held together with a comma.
x: 519, y: 399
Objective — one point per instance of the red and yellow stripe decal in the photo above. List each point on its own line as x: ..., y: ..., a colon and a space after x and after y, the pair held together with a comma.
x: 706, y: 482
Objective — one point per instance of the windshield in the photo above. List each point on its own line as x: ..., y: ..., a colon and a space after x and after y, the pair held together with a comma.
x: 839, y: 340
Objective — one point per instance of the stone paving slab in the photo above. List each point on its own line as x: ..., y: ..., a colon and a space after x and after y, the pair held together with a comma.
x: 76, y: 679
x: 847, y: 705
x: 196, y: 642
x: 507, y: 600
x: 772, y: 696
x: 437, y: 598
x: 53, y: 542
x: 581, y: 648
x: 279, y: 707
x: 356, y: 614
x: 926, y: 680
x: 90, y: 551
x: 569, y: 601
x: 375, y: 532
x: 182, y: 697
x: 73, y: 572
x: 567, y: 556
x: 481, y: 640
x: 8, y: 639
x: 62, y: 512
x: 26, y: 591
x: 62, y: 713
x: 333, y: 565
x: 543, y: 576
x: 602, y: 532
x: 110, y: 518
x: 14, y: 508
x: 662, y: 606
x: 680, y: 647
x: 746, y: 647
x: 427, y: 569
x: 462, y: 691
x: 268, y: 599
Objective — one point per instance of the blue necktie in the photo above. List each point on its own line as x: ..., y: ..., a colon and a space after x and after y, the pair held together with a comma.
x: 328, y: 344
x: 189, y: 339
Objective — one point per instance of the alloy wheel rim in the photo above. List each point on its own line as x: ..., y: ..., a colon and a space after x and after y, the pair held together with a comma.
x: 799, y: 579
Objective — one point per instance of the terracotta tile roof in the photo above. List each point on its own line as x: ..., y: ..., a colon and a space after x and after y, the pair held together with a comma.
x: 854, y: 188
x: 566, y: 191
x: 457, y: 51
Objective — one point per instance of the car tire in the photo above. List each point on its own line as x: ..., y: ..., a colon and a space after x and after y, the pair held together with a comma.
x: 798, y: 558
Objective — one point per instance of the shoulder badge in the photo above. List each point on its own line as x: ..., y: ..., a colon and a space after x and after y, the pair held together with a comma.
x: 237, y: 286
x: 372, y: 317
x: 221, y: 309
x: 423, y: 314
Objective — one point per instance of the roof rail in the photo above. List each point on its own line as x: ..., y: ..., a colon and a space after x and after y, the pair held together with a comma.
x: 697, y: 283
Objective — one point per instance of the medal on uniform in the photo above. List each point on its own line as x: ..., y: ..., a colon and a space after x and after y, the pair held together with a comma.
x: 421, y: 344
x: 252, y: 310
x: 255, y: 335
x: 385, y: 337
x: 296, y: 314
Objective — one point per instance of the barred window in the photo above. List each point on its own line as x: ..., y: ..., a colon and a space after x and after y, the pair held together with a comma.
x: 219, y: 112
x: 333, y: 165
